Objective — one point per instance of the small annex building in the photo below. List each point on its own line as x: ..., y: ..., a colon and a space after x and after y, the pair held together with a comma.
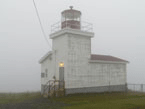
x: 71, y: 60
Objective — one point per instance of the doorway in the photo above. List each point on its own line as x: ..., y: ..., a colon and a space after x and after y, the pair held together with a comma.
x: 61, y: 73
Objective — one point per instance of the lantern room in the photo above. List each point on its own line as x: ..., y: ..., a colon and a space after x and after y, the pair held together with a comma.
x: 71, y: 19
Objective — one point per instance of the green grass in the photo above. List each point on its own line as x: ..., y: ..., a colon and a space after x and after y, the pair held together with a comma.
x: 7, y: 98
x: 78, y: 101
x: 105, y: 101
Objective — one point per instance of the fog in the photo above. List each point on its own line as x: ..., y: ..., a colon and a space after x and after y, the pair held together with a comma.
x: 119, y: 27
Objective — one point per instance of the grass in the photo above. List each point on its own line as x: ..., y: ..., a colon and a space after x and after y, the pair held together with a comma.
x: 6, y: 98
x: 105, y: 101
x: 77, y: 101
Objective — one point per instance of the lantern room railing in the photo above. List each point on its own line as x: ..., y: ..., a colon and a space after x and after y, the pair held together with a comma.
x: 84, y: 26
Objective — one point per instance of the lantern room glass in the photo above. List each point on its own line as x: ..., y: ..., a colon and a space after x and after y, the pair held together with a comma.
x: 71, y: 19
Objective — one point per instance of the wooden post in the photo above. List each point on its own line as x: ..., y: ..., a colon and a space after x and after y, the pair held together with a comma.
x: 49, y: 87
x: 64, y: 87
x: 109, y: 88
x: 126, y: 89
x: 134, y: 88
x: 141, y: 87
x: 59, y: 84
x: 43, y: 89
x: 54, y: 87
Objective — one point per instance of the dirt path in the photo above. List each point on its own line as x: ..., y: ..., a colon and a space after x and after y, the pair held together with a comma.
x: 40, y: 103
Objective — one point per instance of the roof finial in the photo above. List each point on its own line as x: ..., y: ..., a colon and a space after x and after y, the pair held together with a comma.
x: 71, y: 7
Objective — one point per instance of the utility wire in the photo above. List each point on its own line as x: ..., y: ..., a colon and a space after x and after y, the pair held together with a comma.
x: 42, y: 29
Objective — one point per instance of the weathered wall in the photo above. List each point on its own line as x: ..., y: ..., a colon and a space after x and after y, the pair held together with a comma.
x: 98, y: 89
x: 60, y: 53
x: 47, y: 65
x: 75, y: 50
x: 52, y: 64
x: 97, y: 74
x: 81, y: 73
x: 107, y: 74
x: 79, y: 50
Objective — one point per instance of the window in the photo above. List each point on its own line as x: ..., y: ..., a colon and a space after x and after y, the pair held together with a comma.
x: 46, y: 73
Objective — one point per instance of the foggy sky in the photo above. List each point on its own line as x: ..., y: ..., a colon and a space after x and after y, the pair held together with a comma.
x: 119, y: 27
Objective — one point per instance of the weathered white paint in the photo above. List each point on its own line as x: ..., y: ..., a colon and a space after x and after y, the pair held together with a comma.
x: 73, y: 47
x: 97, y: 74
x: 79, y: 49
x: 71, y: 31
x: 47, y: 64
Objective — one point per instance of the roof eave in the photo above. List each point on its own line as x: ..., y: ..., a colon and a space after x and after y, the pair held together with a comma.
x: 45, y: 56
x: 100, y: 61
x: 71, y: 31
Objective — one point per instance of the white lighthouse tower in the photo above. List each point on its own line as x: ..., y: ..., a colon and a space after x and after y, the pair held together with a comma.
x: 71, y: 60
x: 72, y: 46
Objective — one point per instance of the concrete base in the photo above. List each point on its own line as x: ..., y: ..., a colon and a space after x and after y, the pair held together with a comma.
x: 100, y: 89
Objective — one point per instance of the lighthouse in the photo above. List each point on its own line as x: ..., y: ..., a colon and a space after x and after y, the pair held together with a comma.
x: 71, y: 60
x: 71, y: 19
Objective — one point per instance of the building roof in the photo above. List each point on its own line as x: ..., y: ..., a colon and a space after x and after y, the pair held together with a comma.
x: 94, y: 58
x: 106, y: 58
x: 45, y: 56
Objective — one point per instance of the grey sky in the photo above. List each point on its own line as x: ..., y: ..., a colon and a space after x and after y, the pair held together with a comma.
x: 119, y: 27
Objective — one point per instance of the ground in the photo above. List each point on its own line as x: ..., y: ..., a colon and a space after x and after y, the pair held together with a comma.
x: 77, y: 101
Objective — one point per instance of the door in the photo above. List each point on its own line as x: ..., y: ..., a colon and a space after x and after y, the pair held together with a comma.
x: 61, y: 73
x: 61, y: 77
